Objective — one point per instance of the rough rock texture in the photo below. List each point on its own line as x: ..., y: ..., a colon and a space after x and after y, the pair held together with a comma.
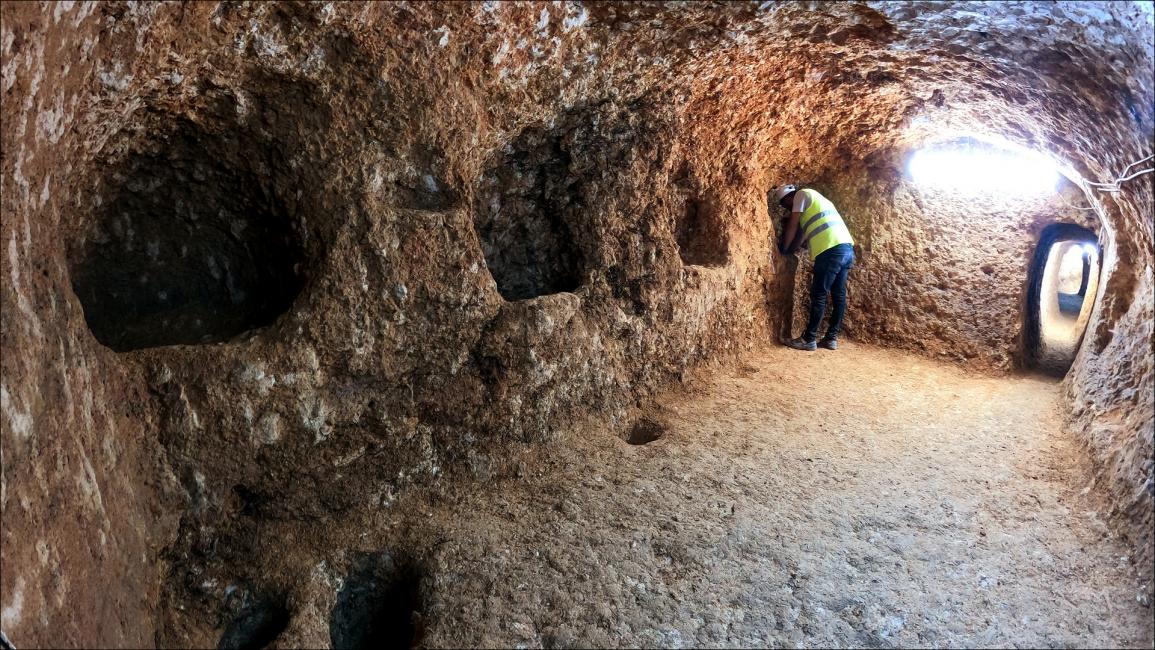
x: 1112, y: 384
x: 458, y: 230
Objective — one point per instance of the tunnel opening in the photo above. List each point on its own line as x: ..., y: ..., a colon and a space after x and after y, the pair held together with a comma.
x: 379, y: 604
x: 700, y: 235
x: 190, y: 247
x: 1063, y: 279
x: 529, y: 199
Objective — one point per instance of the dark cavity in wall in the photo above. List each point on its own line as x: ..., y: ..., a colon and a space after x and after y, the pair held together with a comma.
x: 196, y: 233
x: 528, y: 198
x: 188, y: 249
x: 248, y: 502
x: 540, y: 206
x: 700, y: 235
x: 379, y: 605
x: 256, y: 625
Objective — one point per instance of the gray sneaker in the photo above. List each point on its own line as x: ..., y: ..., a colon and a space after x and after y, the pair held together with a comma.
x: 829, y: 344
x: 800, y: 344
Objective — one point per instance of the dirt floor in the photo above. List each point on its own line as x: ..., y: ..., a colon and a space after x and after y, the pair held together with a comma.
x: 863, y: 497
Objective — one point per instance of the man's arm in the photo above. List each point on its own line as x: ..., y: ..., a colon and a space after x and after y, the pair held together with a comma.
x: 791, y: 234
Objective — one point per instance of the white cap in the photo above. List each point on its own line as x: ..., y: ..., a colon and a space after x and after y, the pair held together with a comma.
x: 783, y: 190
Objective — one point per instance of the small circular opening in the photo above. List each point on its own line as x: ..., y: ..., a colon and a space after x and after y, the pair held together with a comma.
x: 645, y: 431
x: 258, y: 624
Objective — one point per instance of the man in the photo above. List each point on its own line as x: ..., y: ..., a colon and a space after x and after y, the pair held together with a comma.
x: 815, y: 221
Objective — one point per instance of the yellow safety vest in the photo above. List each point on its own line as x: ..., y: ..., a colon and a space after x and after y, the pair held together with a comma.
x: 822, y: 226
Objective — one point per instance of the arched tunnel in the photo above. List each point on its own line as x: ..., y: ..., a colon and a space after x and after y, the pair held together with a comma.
x: 445, y: 324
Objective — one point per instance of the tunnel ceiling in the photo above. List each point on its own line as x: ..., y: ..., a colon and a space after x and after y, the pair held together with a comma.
x: 839, y: 78
x: 843, y: 77
x: 818, y: 79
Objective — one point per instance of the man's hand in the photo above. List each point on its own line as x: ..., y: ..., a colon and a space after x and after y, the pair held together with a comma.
x: 791, y: 235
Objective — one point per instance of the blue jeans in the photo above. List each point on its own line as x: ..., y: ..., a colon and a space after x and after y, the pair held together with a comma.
x: 830, y: 270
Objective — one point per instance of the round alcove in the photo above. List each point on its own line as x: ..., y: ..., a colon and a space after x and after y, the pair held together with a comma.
x: 203, y: 225
x: 190, y: 246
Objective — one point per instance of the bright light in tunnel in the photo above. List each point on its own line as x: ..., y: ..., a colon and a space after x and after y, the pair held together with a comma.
x: 977, y: 170
x: 1071, y: 264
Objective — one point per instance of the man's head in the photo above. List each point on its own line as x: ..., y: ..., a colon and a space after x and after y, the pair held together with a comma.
x: 784, y: 194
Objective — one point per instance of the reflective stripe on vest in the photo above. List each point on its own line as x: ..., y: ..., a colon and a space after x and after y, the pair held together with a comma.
x: 822, y: 226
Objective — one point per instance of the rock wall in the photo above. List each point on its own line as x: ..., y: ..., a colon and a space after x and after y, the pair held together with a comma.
x: 414, y: 234
x: 1112, y: 384
x: 280, y: 264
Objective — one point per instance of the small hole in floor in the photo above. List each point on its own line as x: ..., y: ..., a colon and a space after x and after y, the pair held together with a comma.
x: 379, y: 605
x: 256, y: 626
x: 645, y: 431
x: 248, y: 501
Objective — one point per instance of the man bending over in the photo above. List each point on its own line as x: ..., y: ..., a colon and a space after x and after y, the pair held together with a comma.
x: 815, y: 223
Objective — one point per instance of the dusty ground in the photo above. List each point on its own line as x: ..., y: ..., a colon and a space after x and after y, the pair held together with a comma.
x: 924, y: 506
